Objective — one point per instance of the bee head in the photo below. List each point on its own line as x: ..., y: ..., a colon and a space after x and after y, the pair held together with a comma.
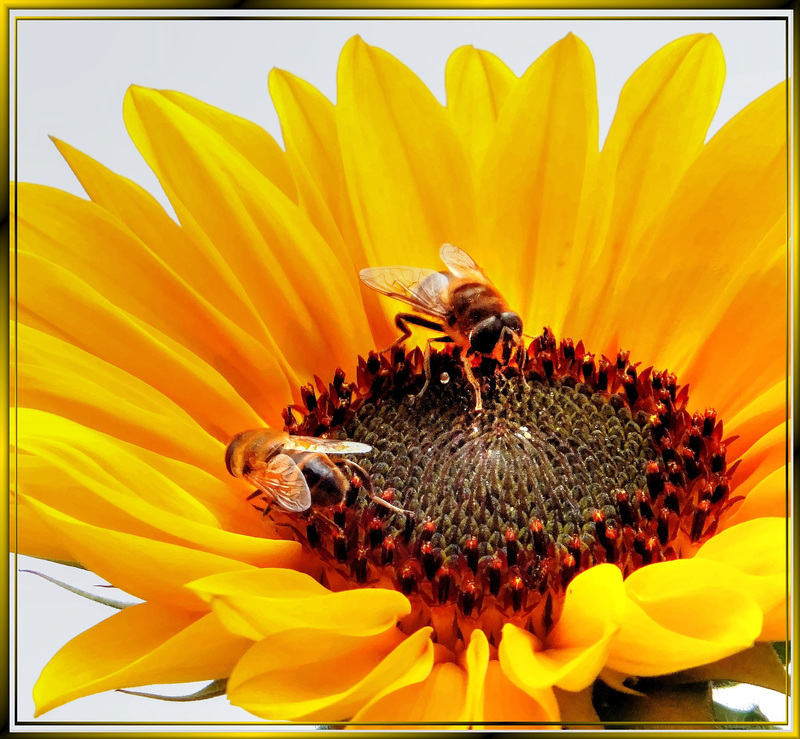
x: 484, y: 337
x: 511, y: 333
x: 512, y: 321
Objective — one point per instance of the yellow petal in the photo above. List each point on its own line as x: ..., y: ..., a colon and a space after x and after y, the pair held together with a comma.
x: 28, y: 534
x: 756, y: 550
x: 64, y: 230
x: 724, y: 207
x: 407, y: 173
x: 660, y: 125
x: 296, y: 676
x: 262, y: 602
x: 747, y: 331
x: 478, y: 84
x: 766, y: 456
x: 196, y: 261
x: 506, y: 701
x: 63, y: 379
x: 476, y: 661
x: 296, y: 283
x: 577, y: 648
x: 533, y: 180
x: 769, y: 497
x: 54, y: 301
x: 252, y: 142
x: 576, y: 708
x: 758, y: 418
x: 148, y: 569
x: 437, y: 699
x: 680, y: 614
x: 143, y: 644
x: 101, y: 470
x: 308, y: 123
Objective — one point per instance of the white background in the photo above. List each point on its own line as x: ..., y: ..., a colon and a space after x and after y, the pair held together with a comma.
x: 72, y: 76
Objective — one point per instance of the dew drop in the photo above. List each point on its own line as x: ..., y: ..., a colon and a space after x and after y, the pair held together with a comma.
x: 444, y: 378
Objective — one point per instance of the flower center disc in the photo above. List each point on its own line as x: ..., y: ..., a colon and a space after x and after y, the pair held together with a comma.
x: 572, y: 462
x: 545, y: 452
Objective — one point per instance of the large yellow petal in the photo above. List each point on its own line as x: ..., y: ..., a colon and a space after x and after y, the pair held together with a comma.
x: 747, y: 332
x: 663, y: 114
x: 29, y: 534
x: 535, y: 174
x: 577, y: 648
x: 251, y: 141
x: 75, y: 483
x: 99, y: 250
x: 769, y: 497
x: 757, y: 419
x: 144, y: 644
x: 476, y: 660
x: 148, y: 569
x: 295, y: 676
x: 478, y: 84
x: 53, y: 300
x: 196, y: 261
x: 504, y: 700
x: 295, y: 281
x: 679, y: 615
x: 61, y: 378
x: 756, y: 550
x: 258, y: 603
x: 407, y: 172
x: 438, y: 699
x: 766, y: 456
x: 308, y: 123
x: 690, y: 263
x: 84, y: 457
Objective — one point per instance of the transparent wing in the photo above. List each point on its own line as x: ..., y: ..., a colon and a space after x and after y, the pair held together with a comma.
x: 418, y: 287
x: 461, y: 264
x: 325, y: 446
x: 283, y: 483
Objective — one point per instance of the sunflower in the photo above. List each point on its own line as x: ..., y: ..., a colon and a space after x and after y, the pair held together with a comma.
x: 592, y: 532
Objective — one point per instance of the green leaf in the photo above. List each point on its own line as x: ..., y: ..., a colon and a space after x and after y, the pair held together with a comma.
x: 212, y: 690
x: 783, y: 649
x: 110, y: 602
x: 729, y: 715
x: 662, y: 706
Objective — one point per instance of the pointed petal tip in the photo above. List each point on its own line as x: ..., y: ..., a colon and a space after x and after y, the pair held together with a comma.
x: 140, y: 92
x: 355, y: 43
x: 59, y: 144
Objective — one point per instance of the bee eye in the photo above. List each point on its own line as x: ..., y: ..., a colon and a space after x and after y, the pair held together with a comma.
x: 512, y: 320
x: 485, y: 335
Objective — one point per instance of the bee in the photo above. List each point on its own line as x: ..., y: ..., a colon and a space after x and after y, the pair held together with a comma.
x: 293, y: 472
x: 461, y: 302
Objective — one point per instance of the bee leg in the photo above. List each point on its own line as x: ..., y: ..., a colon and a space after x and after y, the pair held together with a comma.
x: 402, y: 321
x: 359, y: 471
x: 521, y: 361
x: 426, y: 362
x: 386, y: 504
x: 472, y: 381
x: 363, y: 475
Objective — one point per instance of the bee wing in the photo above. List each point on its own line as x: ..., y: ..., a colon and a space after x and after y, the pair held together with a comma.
x: 461, y: 264
x: 282, y: 482
x: 419, y: 287
x: 249, y: 445
x: 325, y: 446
